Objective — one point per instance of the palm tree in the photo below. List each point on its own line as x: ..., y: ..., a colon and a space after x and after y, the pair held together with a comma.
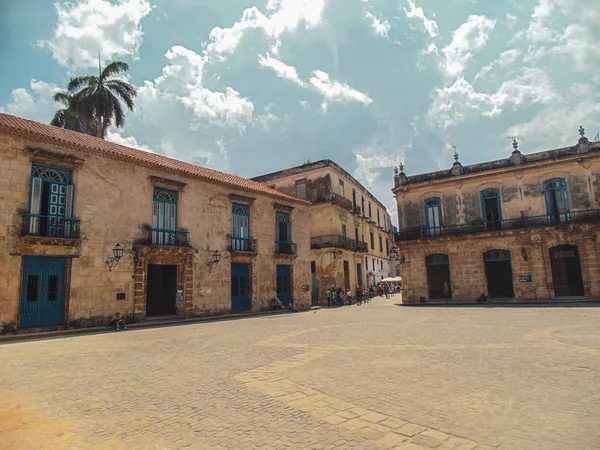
x: 101, y: 96
x: 68, y: 118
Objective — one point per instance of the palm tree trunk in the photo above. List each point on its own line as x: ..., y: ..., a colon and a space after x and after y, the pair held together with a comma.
x: 100, y: 131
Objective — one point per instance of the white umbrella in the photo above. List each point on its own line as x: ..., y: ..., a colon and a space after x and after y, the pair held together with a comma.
x: 387, y: 280
x: 397, y: 279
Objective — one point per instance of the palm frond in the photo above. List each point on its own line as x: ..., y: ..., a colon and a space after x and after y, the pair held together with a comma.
x: 62, y: 97
x: 123, y: 90
x: 59, y: 118
x: 113, y: 68
x: 76, y: 83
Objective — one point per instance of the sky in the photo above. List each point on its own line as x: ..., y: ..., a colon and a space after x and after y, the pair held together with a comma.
x: 254, y: 86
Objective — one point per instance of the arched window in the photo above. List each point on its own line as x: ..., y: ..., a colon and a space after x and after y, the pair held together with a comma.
x: 557, y: 202
x: 433, y: 216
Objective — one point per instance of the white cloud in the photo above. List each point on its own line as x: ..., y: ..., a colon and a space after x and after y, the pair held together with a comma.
x: 181, y: 81
x: 35, y: 103
x: 286, y: 16
x: 336, y: 91
x: 557, y: 124
x: 227, y: 108
x: 470, y: 37
x: 90, y: 26
x: 332, y: 91
x: 128, y: 141
x: 505, y: 59
x: 511, y: 20
x: 281, y: 69
x: 415, y: 12
x: 456, y: 103
x: 381, y: 27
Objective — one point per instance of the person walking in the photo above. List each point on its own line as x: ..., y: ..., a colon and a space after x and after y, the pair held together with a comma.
x: 349, y: 296
x: 334, y: 296
x: 328, y: 295
x: 387, y: 291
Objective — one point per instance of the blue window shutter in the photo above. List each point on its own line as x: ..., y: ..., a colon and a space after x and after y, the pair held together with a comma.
x: 35, y: 205
x: 70, y: 202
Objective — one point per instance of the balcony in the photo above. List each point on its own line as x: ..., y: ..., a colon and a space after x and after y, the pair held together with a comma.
x: 577, y: 217
x: 50, y: 226
x: 285, y: 248
x: 337, y: 241
x: 169, y: 238
x: 356, y: 210
x: 335, y: 199
x: 242, y: 245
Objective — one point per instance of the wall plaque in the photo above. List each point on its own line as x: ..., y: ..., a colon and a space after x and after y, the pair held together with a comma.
x: 525, y: 278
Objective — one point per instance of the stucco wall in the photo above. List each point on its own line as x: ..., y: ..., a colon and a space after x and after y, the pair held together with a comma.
x: 521, y: 191
x: 467, y: 266
x: 113, y: 200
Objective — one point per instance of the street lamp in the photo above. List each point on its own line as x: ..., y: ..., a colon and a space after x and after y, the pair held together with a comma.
x: 216, y: 257
x: 117, y: 255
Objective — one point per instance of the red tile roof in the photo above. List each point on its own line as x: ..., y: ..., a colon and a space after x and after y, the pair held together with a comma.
x: 89, y: 144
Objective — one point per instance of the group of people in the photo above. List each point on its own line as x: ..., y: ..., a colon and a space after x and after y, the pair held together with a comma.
x: 337, y: 296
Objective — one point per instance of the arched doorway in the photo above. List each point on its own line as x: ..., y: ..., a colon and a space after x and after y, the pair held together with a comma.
x: 438, y: 276
x: 498, y: 272
x: 566, y: 271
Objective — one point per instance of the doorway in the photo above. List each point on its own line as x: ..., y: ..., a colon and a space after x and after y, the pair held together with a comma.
x: 240, y: 288
x: 346, y: 276
x: 315, y: 287
x: 438, y: 276
x: 566, y: 271
x: 284, y: 284
x: 498, y: 272
x: 359, y: 274
x: 42, y: 292
x: 161, y: 290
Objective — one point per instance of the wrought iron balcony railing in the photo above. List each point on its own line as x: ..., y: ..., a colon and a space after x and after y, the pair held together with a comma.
x: 51, y: 226
x: 170, y: 238
x: 285, y: 248
x: 416, y: 233
x: 237, y: 244
x: 337, y: 241
x: 336, y: 199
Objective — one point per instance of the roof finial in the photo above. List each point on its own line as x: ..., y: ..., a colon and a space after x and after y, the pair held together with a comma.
x: 395, y: 170
x: 455, y: 154
x: 515, y: 144
x: 401, y: 167
x: 581, y: 131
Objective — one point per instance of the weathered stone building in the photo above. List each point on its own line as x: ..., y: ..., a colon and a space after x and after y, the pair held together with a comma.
x: 213, y: 241
x: 350, y: 230
x: 525, y: 228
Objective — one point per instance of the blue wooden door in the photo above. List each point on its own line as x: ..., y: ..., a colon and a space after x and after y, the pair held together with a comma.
x: 240, y: 287
x: 42, y: 292
x: 284, y: 284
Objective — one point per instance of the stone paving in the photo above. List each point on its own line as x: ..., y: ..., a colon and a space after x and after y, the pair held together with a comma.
x: 376, y: 376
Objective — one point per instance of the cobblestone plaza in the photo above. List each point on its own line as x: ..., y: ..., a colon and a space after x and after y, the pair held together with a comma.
x: 376, y: 376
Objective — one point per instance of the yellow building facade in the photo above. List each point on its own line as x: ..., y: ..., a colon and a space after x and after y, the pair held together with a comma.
x: 351, y: 231
x: 211, y: 242
x: 524, y: 228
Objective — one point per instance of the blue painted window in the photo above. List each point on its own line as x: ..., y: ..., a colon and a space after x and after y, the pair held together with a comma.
x: 433, y: 216
x: 491, y: 207
x: 164, y: 217
x: 284, y: 233
x: 241, y: 227
x: 344, y: 231
x: 51, y: 202
x: 557, y: 202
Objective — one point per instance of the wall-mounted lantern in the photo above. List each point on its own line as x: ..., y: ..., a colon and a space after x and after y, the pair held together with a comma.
x: 117, y: 255
x: 216, y: 257
x: 524, y: 254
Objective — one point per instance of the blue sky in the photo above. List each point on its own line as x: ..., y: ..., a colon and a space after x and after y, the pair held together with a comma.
x: 253, y: 86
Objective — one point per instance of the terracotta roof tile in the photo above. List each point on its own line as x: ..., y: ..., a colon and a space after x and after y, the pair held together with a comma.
x: 93, y: 145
